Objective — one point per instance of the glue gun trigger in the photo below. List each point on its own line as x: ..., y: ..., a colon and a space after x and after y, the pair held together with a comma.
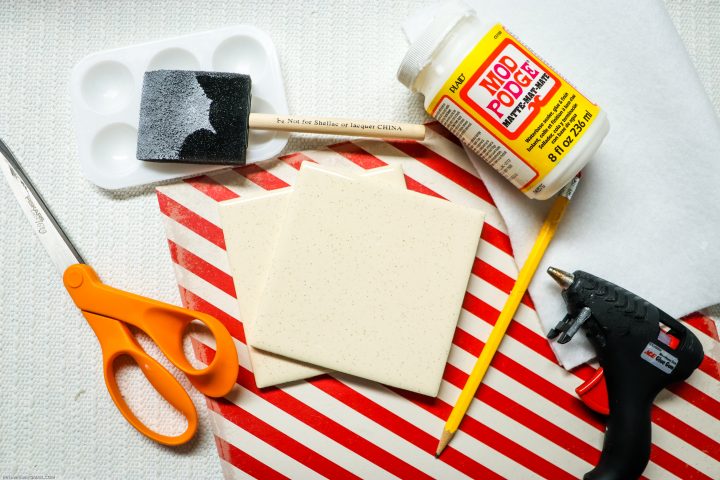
x: 569, y: 326
x: 578, y: 322
x: 560, y: 327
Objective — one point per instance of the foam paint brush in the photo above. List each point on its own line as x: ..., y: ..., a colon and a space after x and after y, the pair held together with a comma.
x: 204, y: 117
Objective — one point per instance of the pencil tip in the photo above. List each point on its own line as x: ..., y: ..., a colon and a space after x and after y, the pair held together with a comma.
x: 444, y: 440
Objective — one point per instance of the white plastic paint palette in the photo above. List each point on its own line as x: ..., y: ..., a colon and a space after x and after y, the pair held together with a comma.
x: 106, y: 88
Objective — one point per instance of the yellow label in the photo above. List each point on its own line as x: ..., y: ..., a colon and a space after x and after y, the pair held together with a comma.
x: 512, y: 109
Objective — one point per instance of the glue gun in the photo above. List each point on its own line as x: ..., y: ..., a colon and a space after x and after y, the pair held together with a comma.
x: 641, y: 350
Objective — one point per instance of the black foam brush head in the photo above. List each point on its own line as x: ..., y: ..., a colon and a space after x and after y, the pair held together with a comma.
x: 194, y: 117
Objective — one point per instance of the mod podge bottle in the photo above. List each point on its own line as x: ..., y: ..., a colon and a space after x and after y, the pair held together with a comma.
x: 504, y: 102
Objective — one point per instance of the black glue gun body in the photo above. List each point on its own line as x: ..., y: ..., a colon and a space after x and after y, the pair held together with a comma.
x: 641, y: 350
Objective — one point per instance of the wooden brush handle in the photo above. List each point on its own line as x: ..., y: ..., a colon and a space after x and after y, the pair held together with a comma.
x: 336, y: 126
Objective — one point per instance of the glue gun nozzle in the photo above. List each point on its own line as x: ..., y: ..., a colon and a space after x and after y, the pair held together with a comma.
x: 564, y: 279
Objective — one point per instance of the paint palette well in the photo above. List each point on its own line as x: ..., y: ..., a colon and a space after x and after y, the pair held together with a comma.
x: 106, y: 87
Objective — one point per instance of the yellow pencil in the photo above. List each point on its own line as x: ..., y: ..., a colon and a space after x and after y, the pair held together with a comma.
x: 516, y: 294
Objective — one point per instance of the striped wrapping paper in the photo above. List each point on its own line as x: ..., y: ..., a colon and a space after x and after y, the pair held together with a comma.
x: 526, y: 421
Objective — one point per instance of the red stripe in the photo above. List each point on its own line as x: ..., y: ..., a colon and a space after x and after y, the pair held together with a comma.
x: 191, y: 220
x: 659, y: 416
x: 470, y: 425
x: 683, y: 470
x: 444, y: 167
x: 706, y: 325
x: 261, y: 177
x: 401, y: 427
x: 527, y: 417
x: 264, y: 431
x: 538, y: 343
x: 267, y: 433
x: 492, y: 275
x: 703, y: 324
x: 438, y: 128
x: 497, y: 238
x: 711, y: 367
x: 700, y: 399
x: 367, y: 160
x: 498, y: 279
x: 212, y: 188
x: 296, y: 159
x: 491, y: 438
x: 516, y: 330
x: 357, y: 155
x: 195, y: 302
x: 688, y: 433
x: 573, y: 405
x: 241, y: 460
x: 416, y: 186
x: 296, y: 408
x: 331, y: 429
x: 531, y: 380
x: 208, y: 272
x: 676, y: 426
x: 321, y: 423
x: 474, y: 428
x: 363, y: 406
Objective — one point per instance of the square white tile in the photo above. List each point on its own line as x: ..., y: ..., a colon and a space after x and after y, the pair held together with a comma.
x: 368, y: 280
x: 251, y: 227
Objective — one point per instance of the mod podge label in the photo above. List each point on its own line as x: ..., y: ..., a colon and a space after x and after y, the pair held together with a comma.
x: 513, y: 110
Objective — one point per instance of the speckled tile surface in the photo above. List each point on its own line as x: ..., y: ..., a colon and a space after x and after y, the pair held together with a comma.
x: 251, y: 227
x: 368, y: 280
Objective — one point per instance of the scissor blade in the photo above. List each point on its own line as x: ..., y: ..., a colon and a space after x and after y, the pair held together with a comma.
x: 53, y: 238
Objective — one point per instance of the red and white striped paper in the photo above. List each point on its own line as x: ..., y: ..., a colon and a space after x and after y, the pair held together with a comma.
x: 526, y: 421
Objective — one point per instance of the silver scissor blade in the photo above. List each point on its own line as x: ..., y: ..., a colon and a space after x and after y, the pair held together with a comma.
x: 62, y: 252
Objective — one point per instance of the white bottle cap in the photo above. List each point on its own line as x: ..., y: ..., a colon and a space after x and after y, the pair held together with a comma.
x: 439, y: 23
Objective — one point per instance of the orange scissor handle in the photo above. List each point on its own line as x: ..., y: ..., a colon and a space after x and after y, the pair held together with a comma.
x: 116, y: 341
x: 165, y: 324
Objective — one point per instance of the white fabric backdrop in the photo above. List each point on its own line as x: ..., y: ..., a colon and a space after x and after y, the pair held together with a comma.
x: 338, y: 58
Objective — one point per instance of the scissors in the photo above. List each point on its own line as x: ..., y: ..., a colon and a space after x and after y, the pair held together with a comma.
x: 109, y: 311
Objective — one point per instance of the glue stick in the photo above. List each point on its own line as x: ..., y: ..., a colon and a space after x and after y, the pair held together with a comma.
x: 502, y: 101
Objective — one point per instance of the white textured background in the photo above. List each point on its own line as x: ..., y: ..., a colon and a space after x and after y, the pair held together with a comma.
x: 338, y: 58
